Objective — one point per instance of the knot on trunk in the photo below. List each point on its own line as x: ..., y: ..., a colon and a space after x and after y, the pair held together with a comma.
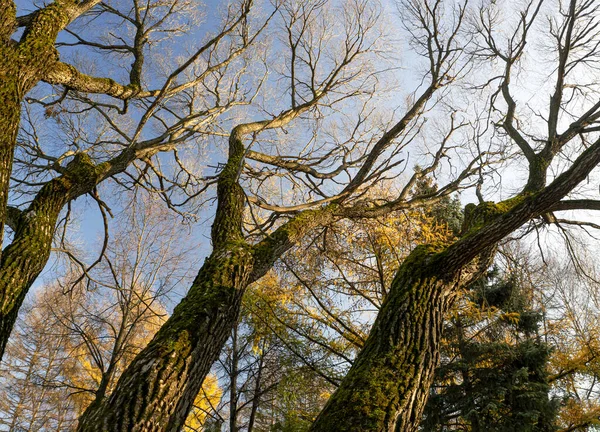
x: 81, y: 167
x: 476, y: 216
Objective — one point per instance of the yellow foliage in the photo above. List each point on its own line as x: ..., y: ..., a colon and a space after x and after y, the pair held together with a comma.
x: 91, y: 345
x: 578, y: 412
x: 208, y: 398
x: 511, y: 317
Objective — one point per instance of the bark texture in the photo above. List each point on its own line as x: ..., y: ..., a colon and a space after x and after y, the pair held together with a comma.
x: 387, y: 385
x: 157, y: 390
x: 159, y: 387
x: 23, y: 64
x: 25, y: 257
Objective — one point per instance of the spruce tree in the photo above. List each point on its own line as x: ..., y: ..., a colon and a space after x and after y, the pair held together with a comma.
x: 493, y: 376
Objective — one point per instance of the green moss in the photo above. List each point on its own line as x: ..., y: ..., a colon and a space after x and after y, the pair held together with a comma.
x: 291, y: 232
x: 81, y: 171
x: 509, y: 204
x: 477, y: 216
x: 214, y: 292
x: 422, y: 261
x: 384, y: 376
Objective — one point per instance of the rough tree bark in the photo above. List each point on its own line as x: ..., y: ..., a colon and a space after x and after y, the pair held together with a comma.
x: 396, y: 366
x: 387, y: 386
x: 23, y: 64
x: 25, y: 257
x: 157, y: 390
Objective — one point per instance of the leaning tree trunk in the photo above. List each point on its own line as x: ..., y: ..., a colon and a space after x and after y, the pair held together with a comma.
x: 26, y: 256
x: 157, y: 389
x: 387, y: 385
x: 22, y: 65
x: 24, y: 259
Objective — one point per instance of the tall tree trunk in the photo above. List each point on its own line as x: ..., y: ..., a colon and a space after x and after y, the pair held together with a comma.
x: 24, y: 259
x: 387, y: 385
x: 157, y: 389
x: 22, y: 65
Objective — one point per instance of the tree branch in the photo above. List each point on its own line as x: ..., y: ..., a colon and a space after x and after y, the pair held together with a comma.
x: 13, y: 217
x: 581, y: 204
x: 68, y: 75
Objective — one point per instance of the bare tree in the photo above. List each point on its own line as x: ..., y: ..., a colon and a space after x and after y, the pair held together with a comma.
x: 46, y: 178
x: 326, y: 65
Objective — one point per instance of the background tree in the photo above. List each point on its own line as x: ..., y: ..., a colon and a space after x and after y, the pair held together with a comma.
x: 494, y: 373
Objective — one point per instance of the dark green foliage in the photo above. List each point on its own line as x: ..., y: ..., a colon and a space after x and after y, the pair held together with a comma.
x: 448, y: 210
x: 292, y: 424
x: 493, y: 375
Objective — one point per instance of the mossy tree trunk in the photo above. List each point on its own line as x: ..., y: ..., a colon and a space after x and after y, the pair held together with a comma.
x: 23, y: 64
x: 25, y: 257
x: 157, y: 390
x: 387, y: 387
x: 159, y: 387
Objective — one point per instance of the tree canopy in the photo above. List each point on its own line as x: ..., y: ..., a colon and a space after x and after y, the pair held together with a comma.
x: 330, y: 146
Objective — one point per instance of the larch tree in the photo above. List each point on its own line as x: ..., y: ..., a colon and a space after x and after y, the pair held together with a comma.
x: 570, y: 298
